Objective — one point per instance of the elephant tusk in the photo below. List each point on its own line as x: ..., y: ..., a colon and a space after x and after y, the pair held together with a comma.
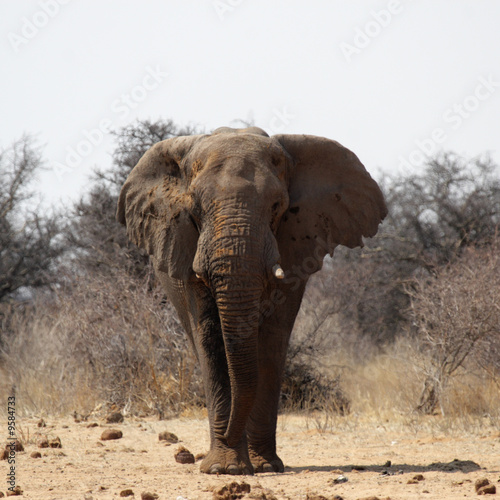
x: 198, y: 276
x: 278, y: 272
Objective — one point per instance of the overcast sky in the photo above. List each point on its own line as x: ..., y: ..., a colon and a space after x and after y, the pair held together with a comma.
x: 392, y: 80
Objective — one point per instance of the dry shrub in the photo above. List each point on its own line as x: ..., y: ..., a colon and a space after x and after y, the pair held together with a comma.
x: 103, y: 340
x: 387, y: 386
x: 456, y: 313
x: 306, y: 388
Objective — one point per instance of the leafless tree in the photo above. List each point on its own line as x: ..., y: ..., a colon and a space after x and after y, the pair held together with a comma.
x: 435, y: 214
x: 30, y: 243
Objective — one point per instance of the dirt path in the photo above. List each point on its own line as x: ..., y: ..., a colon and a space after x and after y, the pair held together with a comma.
x: 88, y: 468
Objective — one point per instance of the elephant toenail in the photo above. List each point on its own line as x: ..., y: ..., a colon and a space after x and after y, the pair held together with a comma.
x: 214, y: 469
x: 233, y: 469
x: 267, y: 467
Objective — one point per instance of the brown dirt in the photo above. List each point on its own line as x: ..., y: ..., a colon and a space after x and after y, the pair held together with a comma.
x: 390, y: 460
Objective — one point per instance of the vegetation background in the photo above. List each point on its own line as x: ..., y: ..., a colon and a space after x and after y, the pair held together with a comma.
x: 407, y: 326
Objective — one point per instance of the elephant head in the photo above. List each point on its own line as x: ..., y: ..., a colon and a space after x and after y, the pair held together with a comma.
x: 231, y: 210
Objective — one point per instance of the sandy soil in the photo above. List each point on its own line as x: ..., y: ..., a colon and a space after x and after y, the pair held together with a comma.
x: 88, y: 468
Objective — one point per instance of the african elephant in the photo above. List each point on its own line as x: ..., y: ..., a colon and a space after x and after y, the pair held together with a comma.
x: 235, y: 223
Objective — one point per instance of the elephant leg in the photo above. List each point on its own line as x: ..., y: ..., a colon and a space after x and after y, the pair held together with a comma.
x: 209, y: 344
x: 261, y: 428
x: 274, y: 336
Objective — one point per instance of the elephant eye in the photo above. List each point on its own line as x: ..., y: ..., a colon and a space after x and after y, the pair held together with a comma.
x: 275, y: 210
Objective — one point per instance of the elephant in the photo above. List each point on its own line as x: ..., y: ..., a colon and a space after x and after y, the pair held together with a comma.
x: 235, y: 222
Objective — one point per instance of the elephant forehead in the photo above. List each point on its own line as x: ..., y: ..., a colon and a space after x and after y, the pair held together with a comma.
x: 217, y: 148
x: 230, y: 156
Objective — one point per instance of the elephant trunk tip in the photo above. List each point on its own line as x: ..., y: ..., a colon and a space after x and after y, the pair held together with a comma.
x: 278, y: 272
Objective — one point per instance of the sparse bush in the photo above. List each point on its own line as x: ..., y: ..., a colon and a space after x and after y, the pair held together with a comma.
x: 456, y: 313
x: 306, y: 388
x: 113, y: 341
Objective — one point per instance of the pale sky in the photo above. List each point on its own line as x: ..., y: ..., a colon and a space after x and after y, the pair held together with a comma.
x: 389, y: 79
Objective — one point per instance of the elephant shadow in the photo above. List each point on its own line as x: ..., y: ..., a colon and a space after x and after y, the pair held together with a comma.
x: 455, y: 465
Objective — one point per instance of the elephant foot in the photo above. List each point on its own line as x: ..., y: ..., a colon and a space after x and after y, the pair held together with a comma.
x: 226, y: 461
x: 266, y: 462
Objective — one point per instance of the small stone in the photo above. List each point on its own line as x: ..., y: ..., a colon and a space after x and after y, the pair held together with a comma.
x: 114, y: 418
x: 340, y: 479
x: 18, y: 446
x: 36, y: 454
x: 148, y: 496
x: 232, y: 490
x: 127, y: 493
x: 261, y: 494
x: 92, y: 425
x: 480, y: 483
x: 4, y: 455
x: 489, y: 489
x: 169, y: 437
x: 184, y: 456
x: 387, y: 464
x: 43, y: 442
x: 16, y: 492
x: 416, y: 479
x: 55, y: 442
x: 109, y: 434
x: 41, y: 423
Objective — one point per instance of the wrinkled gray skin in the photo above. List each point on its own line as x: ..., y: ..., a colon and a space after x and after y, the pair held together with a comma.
x: 216, y: 213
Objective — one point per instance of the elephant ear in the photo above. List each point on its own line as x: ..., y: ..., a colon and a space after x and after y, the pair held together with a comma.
x: 333, y: 201
x: 155, y: 207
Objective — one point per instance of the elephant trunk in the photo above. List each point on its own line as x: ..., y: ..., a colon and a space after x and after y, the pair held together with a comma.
x: 237, y: 277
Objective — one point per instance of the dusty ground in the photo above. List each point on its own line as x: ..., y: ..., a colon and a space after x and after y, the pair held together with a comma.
x: 88, y: 468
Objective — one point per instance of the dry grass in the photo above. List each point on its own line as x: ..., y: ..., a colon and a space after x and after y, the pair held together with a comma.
x: 103, y: 341
x: 387, y: 387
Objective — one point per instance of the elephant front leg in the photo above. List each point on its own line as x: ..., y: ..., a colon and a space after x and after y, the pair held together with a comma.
x: 221, y: 458
x: 261, y: 428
